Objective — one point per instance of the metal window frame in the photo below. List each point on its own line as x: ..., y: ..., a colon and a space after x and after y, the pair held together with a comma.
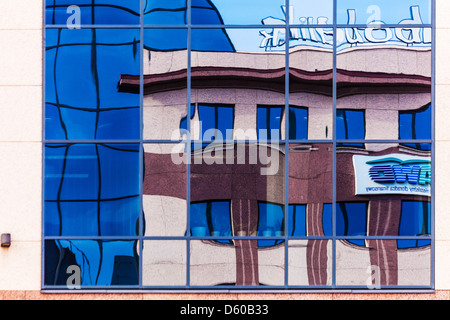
x: 285, y: 288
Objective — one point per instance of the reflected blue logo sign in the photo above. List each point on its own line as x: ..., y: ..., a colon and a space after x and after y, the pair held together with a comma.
x: 407, y: 171
x: 392, y: 174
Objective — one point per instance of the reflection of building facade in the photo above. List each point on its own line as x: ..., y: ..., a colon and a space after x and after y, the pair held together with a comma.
x: 380, y: 92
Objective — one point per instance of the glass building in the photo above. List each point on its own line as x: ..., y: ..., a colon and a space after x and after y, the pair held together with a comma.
x: 235, y: 145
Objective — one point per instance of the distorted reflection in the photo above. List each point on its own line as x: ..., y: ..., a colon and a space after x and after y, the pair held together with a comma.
x: 91, y: 190
x: 97, y: 263
x: 384, y: 92
x: 384, y: 190
x: 82, y: 101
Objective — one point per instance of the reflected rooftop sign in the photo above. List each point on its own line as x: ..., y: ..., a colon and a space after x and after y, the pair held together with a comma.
x: 374, y: 33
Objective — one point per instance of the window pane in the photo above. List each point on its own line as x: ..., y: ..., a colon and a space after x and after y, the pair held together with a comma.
x: 229, y: 68
x: 351, y: 219
x: 211, y: 218
x: 415, y: 124
x: 310, y: 262
x: 244, y: 174
x: 164, y: 263
x: 165, y: 189
x: 239, y: 264
x: 298, y: 123
x: 382, y: 264
x: 310, y: 185
x: 218, y: 12
x: 100, y: 263
x: 271, y: 219
x: 394, y: 182
x: 350, y: 124
x: 165, y: 12
x: 269, y: 119
x: 415, y: 218
x: 165, y: 84
x: 297, y: 220
x: 386, y: 77
x: 91, y: 190
x: 371, y: 11
x: 216, y: 122
x: 91, y: 62
x: 103, y: 12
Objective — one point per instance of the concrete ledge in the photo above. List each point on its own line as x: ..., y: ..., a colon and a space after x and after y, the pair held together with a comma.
x: 38, y: 295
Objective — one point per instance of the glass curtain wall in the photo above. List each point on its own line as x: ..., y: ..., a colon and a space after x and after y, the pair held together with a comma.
x: 238, y: 144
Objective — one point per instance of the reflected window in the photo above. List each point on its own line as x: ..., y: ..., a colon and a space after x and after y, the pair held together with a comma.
x: 416, y: 124
x: 211, y: 218
x: 297, y: 220
x: 217, y: 122
x: 415, y: 221
x: 271, y: 219
x: 351, y: 220
x: 327, y: 219
x: 268, y: 122
x: 298, y: 123
x: 184, y: 121
x: 350, y: 126
x: 270, y: 223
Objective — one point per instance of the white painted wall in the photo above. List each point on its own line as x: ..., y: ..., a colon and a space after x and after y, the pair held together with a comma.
x: 20, y: 143
x: 442, y: 157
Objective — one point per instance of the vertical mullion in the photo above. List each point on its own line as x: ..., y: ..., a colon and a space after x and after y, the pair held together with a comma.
x: 286, y: 154
x: 188, y: 149
x: 433, y: 175
x: 334, y: 175
x: 141, y: 145
x: 43, y: 53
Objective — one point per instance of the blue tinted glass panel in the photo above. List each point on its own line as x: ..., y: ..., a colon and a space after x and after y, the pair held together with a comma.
x: 216, y: 122
x: 412, y: 243
x: 351, y: 219
x: 400, y: 11
x: 211, y: 40
x: 199, y: 223
x: 91, y: 189
x: 101, y: 263
x: 120, y: 217
x: 297, y: 220
x: 91, y: 62
x: 327, y: 219
x: 307, y: 12
x: 91, y: 172
x: 298, y: 123
x: 100, y: 12
x: 271, y: 219
x: 236, y: 12
x: 165, y: 12
x: 415, y: 218
x: 220, y: 218
x: 211, y: 218
x: 350, y: 125
x: 268, y: 122
x: 93, y: 218
x: 416, y: 124
x: 165, y: 39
